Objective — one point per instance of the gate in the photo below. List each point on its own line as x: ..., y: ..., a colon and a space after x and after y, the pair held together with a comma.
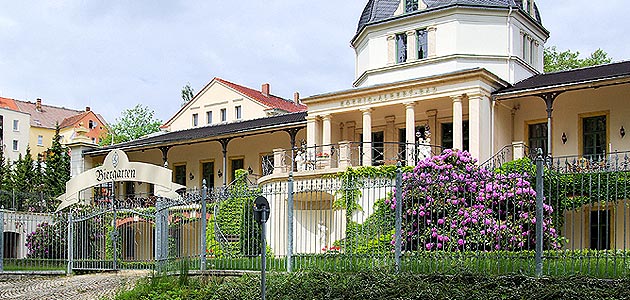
x: 112, y: 237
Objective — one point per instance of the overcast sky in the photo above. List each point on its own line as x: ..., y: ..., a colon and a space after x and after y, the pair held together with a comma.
x: 111, y: 55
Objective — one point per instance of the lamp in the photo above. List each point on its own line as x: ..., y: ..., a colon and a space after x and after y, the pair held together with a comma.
x: 564, y: 138
x: 191, y: 176
x: 249, y: 170
x: 622, y: 132
x: 219, y: 173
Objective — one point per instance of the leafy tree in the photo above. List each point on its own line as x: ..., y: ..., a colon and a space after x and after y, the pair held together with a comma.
x: 132, y: 124
x: 57, y: 171
x: 23, y: 177
x: 187, y: 93
x: 5, y: 173
x: 566, y: 60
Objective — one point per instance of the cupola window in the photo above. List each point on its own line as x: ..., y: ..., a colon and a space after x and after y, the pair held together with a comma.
x: 411, y: 5
x: 401, y: 48
x: 422, y: 43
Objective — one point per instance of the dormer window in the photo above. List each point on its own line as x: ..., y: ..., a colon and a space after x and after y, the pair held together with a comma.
x: 401, y: 48
x: 411, y: 5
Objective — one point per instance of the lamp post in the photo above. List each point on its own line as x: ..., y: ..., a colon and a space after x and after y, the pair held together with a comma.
x: 261, y: 215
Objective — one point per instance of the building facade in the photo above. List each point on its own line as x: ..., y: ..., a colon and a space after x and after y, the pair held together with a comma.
x: 14, y: 133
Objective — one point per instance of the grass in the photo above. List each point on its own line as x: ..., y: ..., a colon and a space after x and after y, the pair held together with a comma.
x: 31, y: 264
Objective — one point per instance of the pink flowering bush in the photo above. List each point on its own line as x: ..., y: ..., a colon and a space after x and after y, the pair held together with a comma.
x: 47, y: 241
x: 449, y: 203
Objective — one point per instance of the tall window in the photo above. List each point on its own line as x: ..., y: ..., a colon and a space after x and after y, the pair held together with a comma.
x: 40, y: 140
x: 422, y: 43
x: 401, y: 47
x: 223, y: 115
x: 209, y: 117
x: 411, y: 5
x: 91, y: 124
x: 525, y: 46
x: 594, y: 137
x: 532, y: 52
x: 207, y: 173
x: 266, y: 162
x: 600, y: 229
x: 130, y: 189
x: 16, y: 125
x: 447, y: 135
x: 238, y: 112
x: 16, y: 145
x: 195, y: 120
x: 180, y: 174
x: 538, y: 137
x: 236, y: 164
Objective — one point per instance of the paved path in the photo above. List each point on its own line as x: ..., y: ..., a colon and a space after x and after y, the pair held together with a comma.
x: 78, y: 287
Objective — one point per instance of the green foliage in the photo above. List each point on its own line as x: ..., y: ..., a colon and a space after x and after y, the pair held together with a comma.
x: 187, y: 94
x: 57, y: 171
x: 48, y: 241
x: 379, y: 284
x: 374, y: 235
x: 567, y: 60
x: 132, y: 124
x: 5, y: 173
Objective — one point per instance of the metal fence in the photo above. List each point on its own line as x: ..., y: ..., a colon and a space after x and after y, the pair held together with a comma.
x: 557, y: 217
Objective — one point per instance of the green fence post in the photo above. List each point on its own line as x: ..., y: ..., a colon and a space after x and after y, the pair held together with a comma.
x: 1, y: 241
x: 204, y: 194
x: 398, y: 225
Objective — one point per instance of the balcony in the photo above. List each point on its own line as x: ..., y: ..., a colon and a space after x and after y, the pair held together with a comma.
x: 345, y: 154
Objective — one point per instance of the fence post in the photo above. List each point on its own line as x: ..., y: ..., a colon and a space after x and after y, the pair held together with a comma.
x: 539, y: 213
x: 204, y: 194
x: 398, y: 216
x: 1, y: 241
x: 158, y: 235
x: 290, y: 223
x: 70, y: 243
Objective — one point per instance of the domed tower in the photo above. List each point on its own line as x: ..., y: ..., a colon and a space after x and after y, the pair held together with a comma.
x: 402, y: 39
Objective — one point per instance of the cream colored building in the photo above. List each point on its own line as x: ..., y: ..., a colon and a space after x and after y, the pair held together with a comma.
x: 14, y: 133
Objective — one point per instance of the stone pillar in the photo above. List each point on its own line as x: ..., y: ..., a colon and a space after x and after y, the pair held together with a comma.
x: 367, y: 137
x: 391, y: 49
x: 279, y: 161
x: 326, y: 134
x: 519, y: 150
x: 390, y: 149
x: 431, y: 40
x: 410, y: 132
x: 458, y: 118
x: 411, y: 46
x: 313, y: 132
x: 479, y: 137
x: 344, y: 155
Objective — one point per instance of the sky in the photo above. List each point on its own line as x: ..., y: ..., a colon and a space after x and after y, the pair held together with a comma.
x: 112, y: 55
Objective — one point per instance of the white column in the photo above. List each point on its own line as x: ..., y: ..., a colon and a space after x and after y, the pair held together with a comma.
x: 390, y: 148
x: 279, y: 163
x: 411, y: 46
x: 350, y: 127
x: 326, y: 136
x: 479, y: 126
x: 367, y: 137
x: 458, y: 118
x: 312, y: 133
x: 410, y: 132
x: 391, y: 49
x: 431, y: 40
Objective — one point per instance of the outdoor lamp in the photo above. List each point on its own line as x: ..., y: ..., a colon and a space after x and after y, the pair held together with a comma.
x: 249, y: 170
x: 564, y: 138
x: 622, y: 132
x: 219, y: 173
x: 191, y: 176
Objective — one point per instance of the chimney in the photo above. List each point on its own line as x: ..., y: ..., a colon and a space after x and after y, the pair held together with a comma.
x: 38, y: 105
x: 87, y: 108
x: 265, y: 89
x: 296, y: 97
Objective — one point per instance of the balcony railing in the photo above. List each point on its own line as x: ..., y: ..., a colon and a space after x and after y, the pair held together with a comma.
x: 347, y: 154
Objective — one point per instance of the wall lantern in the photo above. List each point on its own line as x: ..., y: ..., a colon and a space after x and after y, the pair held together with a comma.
x: 622, y: 132
x: 564, y: 138
x: 249, y: 170
x: 219, y: 173
x: 191, y: 176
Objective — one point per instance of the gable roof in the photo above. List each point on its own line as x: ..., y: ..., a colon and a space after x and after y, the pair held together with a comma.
x: 577, y: 76
x: 270, y: 101
x: 48, y: 116
x: 376, y: 11
x: 8, y: 104
x: 209, y: 133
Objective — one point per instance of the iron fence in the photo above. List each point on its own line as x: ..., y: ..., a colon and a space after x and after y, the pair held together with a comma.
x: 16, y: 200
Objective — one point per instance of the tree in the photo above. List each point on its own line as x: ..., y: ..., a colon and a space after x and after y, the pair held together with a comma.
x: 57, y: 171
x: 132, y: 124
x: 5, y: 173
x: 187, y: 93
x: 23, y: 179
x: 567, y: 60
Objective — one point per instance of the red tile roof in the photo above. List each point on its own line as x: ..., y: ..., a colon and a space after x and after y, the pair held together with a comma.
x: 271, y: 101
x: 8, y: 103
x: 48, y: 116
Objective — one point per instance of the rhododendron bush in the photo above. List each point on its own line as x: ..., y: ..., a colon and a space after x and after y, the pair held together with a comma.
x: 450, y: 203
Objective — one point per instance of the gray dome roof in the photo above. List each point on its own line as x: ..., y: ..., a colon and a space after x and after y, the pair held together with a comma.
x: 379, y: 10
